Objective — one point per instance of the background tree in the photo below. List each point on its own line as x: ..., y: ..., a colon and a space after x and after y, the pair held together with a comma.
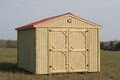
x: 117, y: 47
x: 8, y: 43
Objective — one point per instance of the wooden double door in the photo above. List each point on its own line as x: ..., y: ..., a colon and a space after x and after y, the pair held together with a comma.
x: 68, y: 50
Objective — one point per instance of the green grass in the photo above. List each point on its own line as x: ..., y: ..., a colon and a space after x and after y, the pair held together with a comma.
x: 110, y: 69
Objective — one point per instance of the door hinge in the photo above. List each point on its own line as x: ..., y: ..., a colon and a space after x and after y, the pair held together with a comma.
x: 87, y: 49
x: 87, y: 31
x: 50, y: 49
x: 50, y: 66
x: 50, y: 30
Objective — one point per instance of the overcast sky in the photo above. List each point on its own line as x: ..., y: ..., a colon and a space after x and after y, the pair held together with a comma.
x: 15, y: 13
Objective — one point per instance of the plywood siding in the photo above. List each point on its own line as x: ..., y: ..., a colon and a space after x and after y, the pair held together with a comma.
x: 41, y: 51
x: 94, y: 52
x: 26, y: 49
x: 66, y: 21
x: 98, y: 50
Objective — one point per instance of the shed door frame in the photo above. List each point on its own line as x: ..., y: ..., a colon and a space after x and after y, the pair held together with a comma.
x: 66, y: 33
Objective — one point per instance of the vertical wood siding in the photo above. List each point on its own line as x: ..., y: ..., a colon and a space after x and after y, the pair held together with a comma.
x: 26, y: 49
x: 41, y: 51
x: 98, y: 50
x: 93, y: 51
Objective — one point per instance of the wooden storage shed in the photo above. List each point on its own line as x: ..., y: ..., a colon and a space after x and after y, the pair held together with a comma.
x: 63, y: 43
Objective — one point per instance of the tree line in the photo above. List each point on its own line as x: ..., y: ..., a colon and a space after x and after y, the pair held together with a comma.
x: 8, y: 44
x: 110, y: 45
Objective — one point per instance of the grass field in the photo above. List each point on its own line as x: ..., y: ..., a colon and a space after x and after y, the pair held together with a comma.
x: 110, y: 69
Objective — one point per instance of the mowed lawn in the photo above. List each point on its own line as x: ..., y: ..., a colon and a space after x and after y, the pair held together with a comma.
x: 110, y: 69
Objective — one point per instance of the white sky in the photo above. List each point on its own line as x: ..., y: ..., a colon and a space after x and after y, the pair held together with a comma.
x: 15, y: 13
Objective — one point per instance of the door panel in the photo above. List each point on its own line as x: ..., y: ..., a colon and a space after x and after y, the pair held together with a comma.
x: 77, y: 62
x: 58, y: 50
x: 77, y: 50
x: 67, y: 50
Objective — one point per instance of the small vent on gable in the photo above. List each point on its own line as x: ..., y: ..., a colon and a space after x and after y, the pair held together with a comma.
x: 69, y: 21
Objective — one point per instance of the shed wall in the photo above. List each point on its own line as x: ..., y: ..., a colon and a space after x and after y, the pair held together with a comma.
x: 26, y: 49
x: 94, y: 50
x: 41, y: 51
x: 42, y: 55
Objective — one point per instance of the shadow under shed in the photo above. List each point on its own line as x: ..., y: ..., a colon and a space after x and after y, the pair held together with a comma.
x: 10, y: 67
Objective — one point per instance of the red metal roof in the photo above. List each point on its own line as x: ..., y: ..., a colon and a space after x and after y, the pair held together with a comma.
x: 47, y: 19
